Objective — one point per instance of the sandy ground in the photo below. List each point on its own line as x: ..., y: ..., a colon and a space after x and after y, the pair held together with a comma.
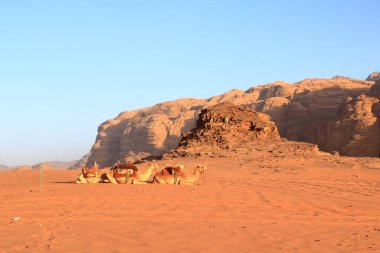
x: 245, y: 204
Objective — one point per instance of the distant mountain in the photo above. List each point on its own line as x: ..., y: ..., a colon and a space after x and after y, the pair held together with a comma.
x: 22, y: 168
x: 4, y: 167
x: 54, y: 165
x: 80, y: 163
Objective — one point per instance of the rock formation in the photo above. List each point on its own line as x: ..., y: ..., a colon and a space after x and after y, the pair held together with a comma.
x: 356, y: 131
x: 303, y: 111
x: 226, y: 125
x: 374, y: 76
x: 80, y: 163
x: 151, y: 131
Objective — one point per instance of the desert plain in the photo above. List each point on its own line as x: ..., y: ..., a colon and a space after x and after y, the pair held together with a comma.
x: 267, y: 199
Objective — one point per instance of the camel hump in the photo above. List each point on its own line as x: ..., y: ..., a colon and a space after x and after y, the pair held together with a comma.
x: 126, y: 167
x: 89, y: 170
x: 171, y: 170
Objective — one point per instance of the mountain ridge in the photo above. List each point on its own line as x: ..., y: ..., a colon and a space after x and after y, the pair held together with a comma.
x: 302, y: 112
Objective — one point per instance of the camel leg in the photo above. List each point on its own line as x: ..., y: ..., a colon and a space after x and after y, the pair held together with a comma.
x: 154, y: 180
x: 93, y: 180
x: 81, y: 180
x: 158, y: 180
x: 111, y: 179
x: 103, y: 178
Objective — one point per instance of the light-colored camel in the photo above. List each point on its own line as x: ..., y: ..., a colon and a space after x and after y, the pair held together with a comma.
x: 128, y: 174
x: 89, y: 175
x: 177, y: 175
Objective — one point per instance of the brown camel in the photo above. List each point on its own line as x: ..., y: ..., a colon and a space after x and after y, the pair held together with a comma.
x: 128, y: 174
x: 89, y: 175
x: 177, y: 175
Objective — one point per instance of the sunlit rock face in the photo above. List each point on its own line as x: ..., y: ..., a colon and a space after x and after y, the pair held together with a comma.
x: 304, y: 111
x: 373, y: 76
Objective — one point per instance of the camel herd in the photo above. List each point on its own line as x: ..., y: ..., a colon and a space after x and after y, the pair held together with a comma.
x: 130, y: 174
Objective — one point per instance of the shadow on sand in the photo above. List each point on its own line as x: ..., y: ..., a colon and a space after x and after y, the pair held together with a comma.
x: 66, y: 182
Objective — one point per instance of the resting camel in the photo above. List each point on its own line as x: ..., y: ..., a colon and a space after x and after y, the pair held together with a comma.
x: 128, y: 174
x: 177, y: 175
x: 89, y: 175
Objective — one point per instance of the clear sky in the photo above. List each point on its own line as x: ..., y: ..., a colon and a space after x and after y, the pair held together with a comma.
x: 67, y: 66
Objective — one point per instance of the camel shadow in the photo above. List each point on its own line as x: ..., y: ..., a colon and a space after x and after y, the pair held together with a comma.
x: 65, y: 182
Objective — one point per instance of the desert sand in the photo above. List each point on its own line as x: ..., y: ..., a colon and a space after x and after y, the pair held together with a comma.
x: 258, y: 201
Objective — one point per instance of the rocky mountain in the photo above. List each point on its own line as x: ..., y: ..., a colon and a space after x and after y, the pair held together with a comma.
x: 356, y: 131
x: 304, y: 111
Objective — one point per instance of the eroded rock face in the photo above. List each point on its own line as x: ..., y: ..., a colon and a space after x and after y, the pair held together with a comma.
x: 303, y: 111
x: 226, y: 126
x: 356, y: 131
x: 150, y: 131
x: 373, y: 76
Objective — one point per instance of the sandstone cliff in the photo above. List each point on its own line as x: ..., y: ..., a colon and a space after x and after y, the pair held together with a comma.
x: 356, y: 131
x: 151, y: 131
x: 302, y: 111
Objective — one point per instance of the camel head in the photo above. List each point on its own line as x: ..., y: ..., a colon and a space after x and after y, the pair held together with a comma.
x: 201, y: 168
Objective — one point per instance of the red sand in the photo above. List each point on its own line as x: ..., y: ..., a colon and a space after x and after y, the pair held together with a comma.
x: 292, y: 205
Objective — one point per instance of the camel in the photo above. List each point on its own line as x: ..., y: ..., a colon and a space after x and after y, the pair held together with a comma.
x: 128, y: 174
x: 177, y: 175
x: 89, y: 175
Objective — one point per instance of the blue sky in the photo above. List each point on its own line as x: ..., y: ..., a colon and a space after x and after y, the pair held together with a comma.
x: 67, y: 66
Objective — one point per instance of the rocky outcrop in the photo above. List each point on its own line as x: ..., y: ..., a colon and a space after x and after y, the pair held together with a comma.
x: 356, y: 132
x: 226, y: 126
x: 373, y: 76
x: 228, y: 130
x: 302, y: 111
